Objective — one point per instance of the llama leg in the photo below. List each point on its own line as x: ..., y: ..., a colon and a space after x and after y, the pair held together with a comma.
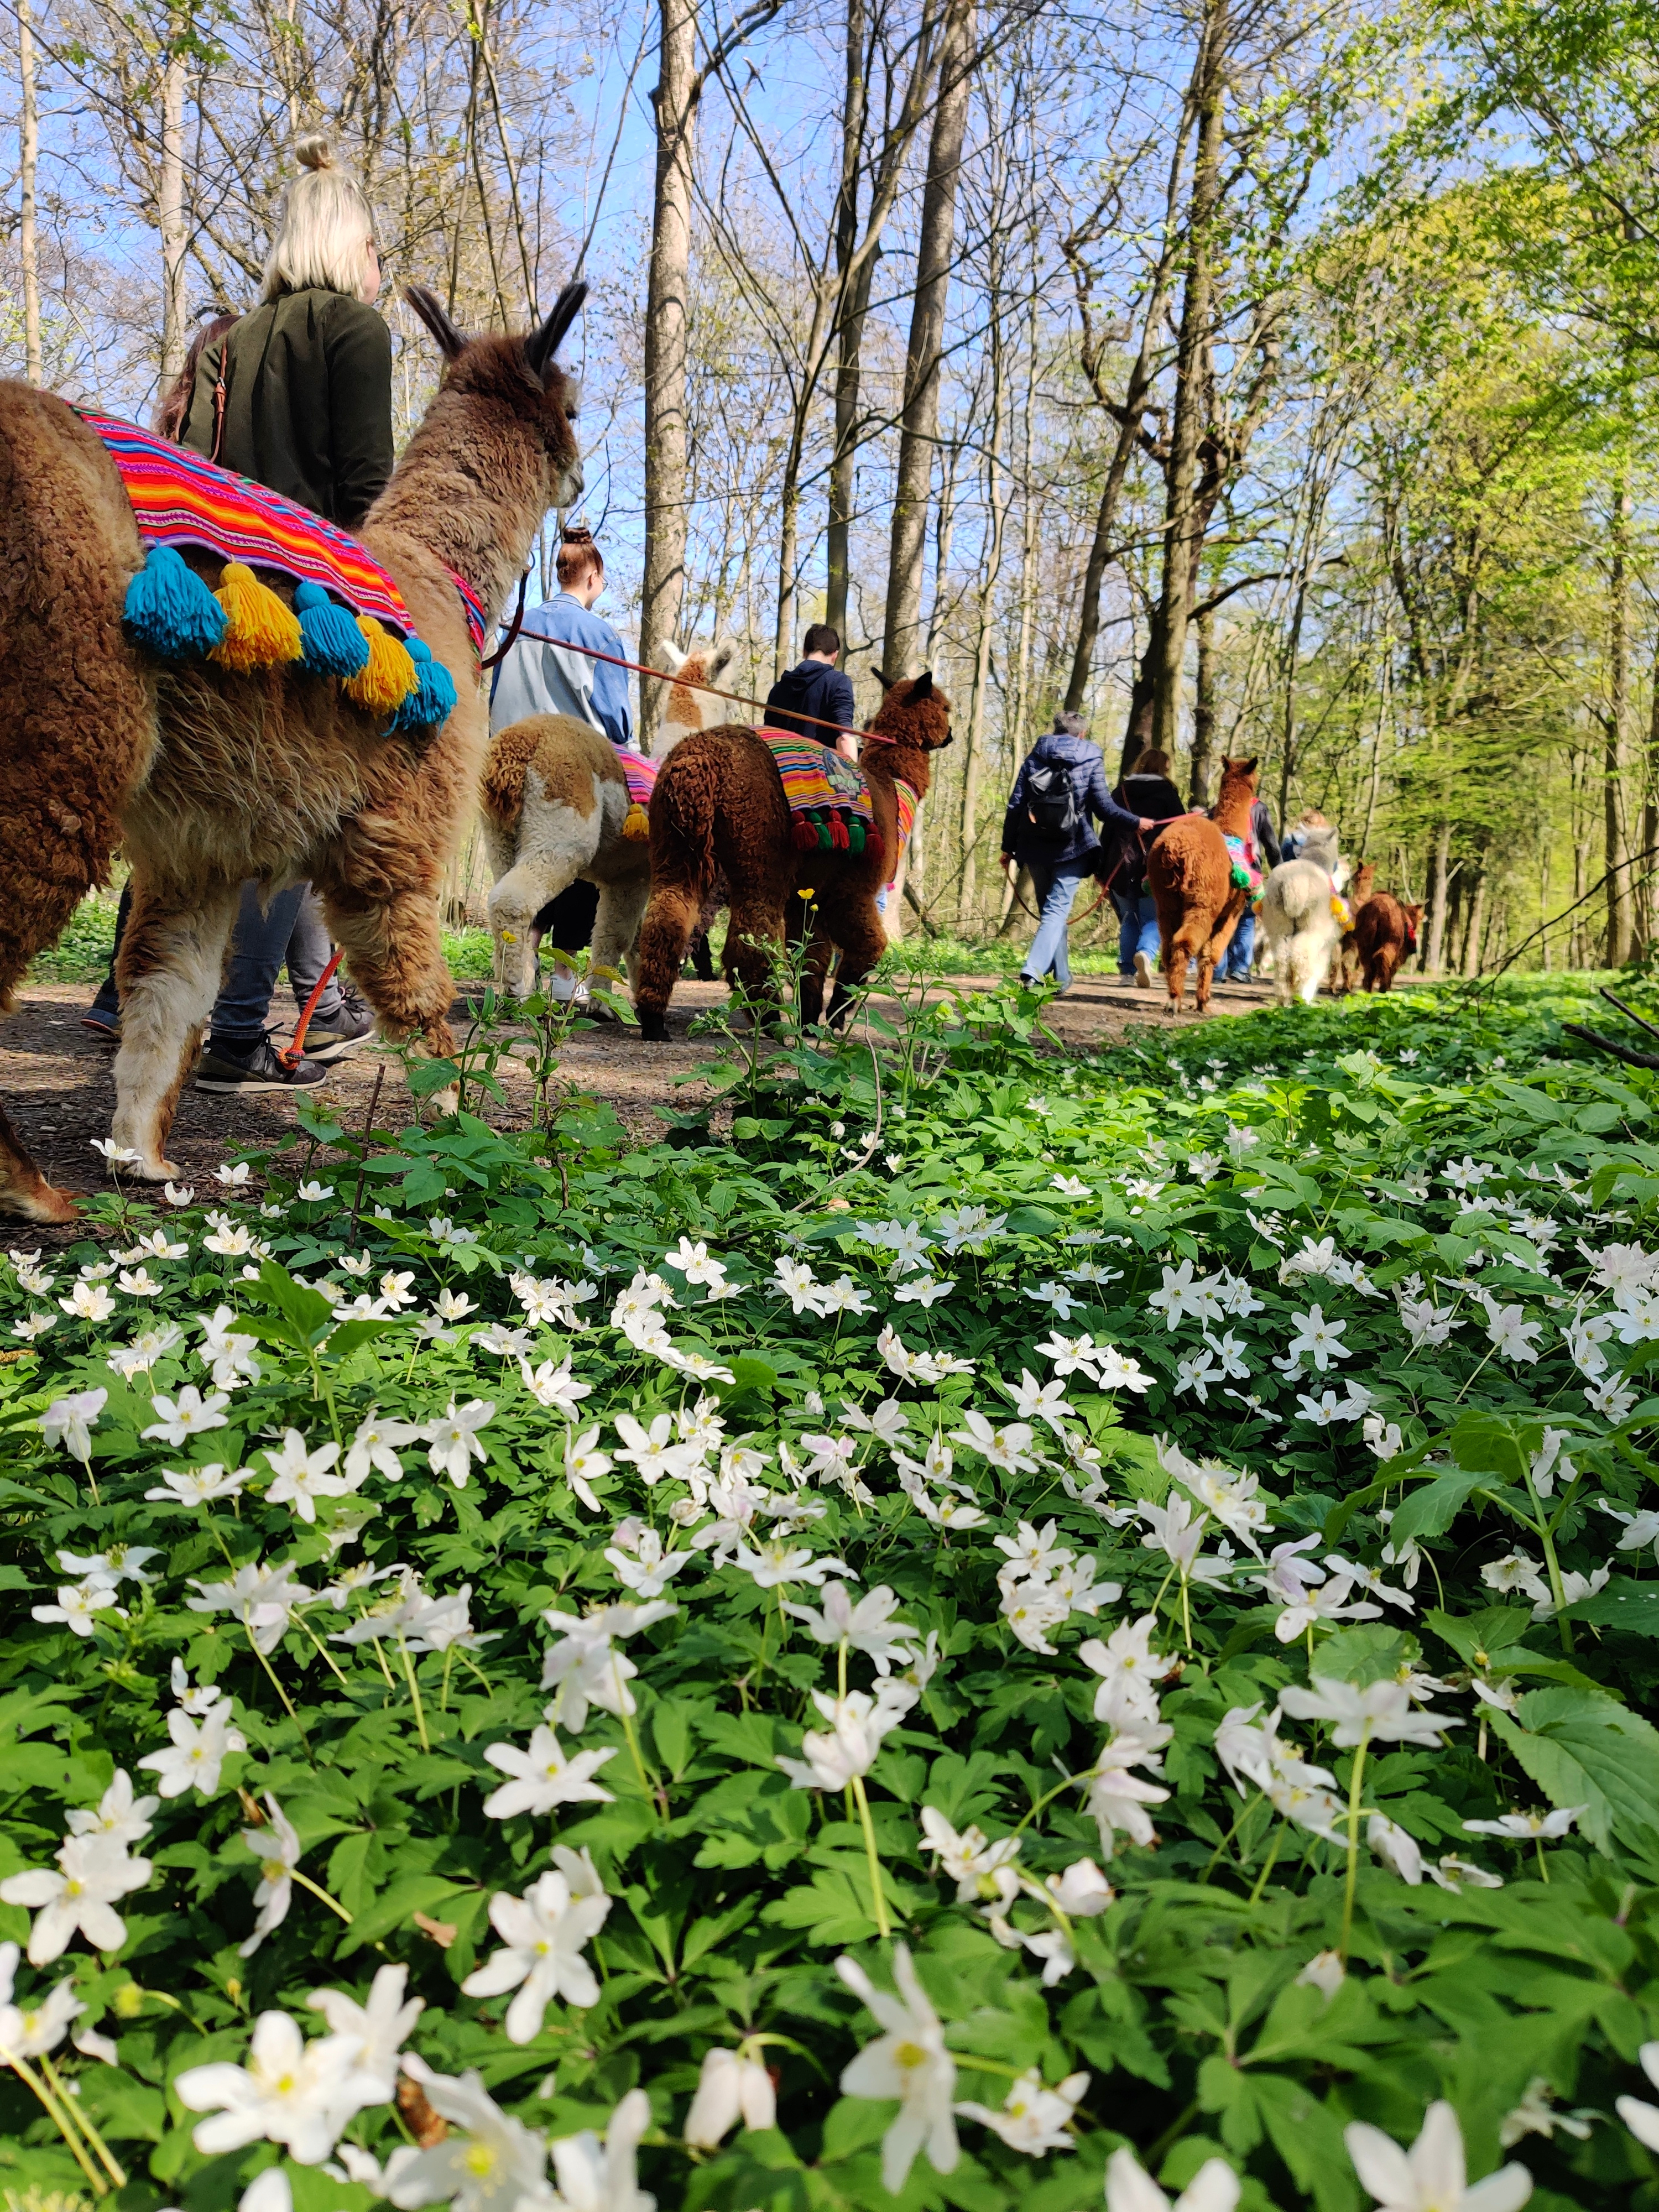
x: 616, y: 931
x: 753, y: 928
x: 863, y: 941
x: 25, y: 1193
x: 556, y: 843
x: 394, y: 949
x: 1175, y: 954
x: 666, y: 930
x: 171, y: 963
x: 814, y: 975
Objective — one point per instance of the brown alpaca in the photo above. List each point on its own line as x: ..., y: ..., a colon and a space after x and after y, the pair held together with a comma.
x: 719, y: 808
x: 1385, y: 935
x: 1191, y: 875
x: 209, y: 778
x: 1344, y: 962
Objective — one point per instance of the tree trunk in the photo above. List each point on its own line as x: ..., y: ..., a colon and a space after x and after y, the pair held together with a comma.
x: 667, y: 284
x: 27, y: 244
x: 1184, y: 540
x: 996, y: 502
x: 919, y: 423
x: 1198, y: 788
x: 1650, y: 813
x: 171, y: 214
x: 849, y: 343
x: 1437, y: 945
x: 1617, y: 853
x: 1472, y: 936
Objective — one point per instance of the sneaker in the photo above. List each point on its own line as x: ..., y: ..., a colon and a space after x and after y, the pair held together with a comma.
x: 341, y: 1033
x: 223, y: 1068
x: 1143, y: 971
x: 102, y: 1023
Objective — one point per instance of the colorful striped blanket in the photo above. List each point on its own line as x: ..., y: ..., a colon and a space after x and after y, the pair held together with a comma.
x: 907, y: 803
x: 179, y: 499
x: 816, y: 780
x: 641, y: 775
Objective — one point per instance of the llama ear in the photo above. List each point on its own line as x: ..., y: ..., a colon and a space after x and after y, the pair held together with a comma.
x: 432, y: 312
x: 885, y: 682
x: 1247, y: 767
x: 920, y: 689
x: 541, y: 346
x: 722, y: 657
x: 670, y: 657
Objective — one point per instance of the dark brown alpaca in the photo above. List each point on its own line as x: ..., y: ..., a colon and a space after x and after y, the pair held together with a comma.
x: 209, y: 778
x: 1344, y: 962
x: 1384, y: 935
x: 719, y: 809
x: 1191, y: 875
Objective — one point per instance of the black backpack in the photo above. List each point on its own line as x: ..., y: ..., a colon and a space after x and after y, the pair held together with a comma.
x: 1051, y: 803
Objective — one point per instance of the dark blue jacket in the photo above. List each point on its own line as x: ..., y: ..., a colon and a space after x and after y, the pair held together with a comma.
x: 813, y: 688
x: 1082, y: 761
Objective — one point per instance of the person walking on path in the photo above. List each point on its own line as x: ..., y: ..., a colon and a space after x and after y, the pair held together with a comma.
x: 1060, y: 788
x: 1146, y: 790
x: 816, y: 686
x: 541, y: 673
x: 1241, y: 953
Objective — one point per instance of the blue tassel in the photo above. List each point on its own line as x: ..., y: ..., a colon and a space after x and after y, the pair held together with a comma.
x: 433, y: 699
x: 334, y: 646
x: 170, y: 611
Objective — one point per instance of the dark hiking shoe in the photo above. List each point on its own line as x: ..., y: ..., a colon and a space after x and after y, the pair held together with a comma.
x: 102, y: 1023
x: 223, y: 1067
x: 343, y: 1032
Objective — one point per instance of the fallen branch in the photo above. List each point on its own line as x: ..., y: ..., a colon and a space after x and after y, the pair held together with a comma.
x: 1625, y: 1052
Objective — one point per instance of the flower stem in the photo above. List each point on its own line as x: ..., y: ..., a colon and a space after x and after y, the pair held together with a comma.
x: 413, y: 1690
x: 317, y: 1890
x: 878, y: 1900
x: 59, y: 2118
x: 1267, y: 1864
x: 327, y: 1655
x: 276, y: 1685
x: 1355, y: 1782
x: 100, y: 2149
x: 1049, y: 1798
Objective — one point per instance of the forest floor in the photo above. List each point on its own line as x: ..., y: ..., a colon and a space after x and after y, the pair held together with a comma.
x: 55, y: 1077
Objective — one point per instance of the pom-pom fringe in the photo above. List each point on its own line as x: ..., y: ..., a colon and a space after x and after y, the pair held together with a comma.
x: 261, y: 630
x: 170, y: 611
x: 637, y: 821
x: 334, y: 646
x: 387, y: 676
x: 433, y: 700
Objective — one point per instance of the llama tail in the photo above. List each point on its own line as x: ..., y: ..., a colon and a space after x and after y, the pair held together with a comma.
x: 682, y: 817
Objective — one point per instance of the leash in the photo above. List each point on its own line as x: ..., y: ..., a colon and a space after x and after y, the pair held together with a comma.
x: 514, y: 627
x: 738, y: 698
x: 292, y: 1054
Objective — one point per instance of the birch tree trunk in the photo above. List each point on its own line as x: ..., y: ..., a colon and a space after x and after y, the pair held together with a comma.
x: 170, y: 210
x: 849, y: 343
x: 1184, y: 540
x: 1437, y: 899
x: 1617, y: 851
x: 1198, y: 788
x: 667, y: 285
x: 28, y: 242
x: 901, y: 630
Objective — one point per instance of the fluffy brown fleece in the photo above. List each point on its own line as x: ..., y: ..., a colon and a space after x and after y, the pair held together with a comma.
x: 1199, y: 904
x: 1345, y: 961
x: 211, y: 778
x: 719, y: 808
x: 1383, y: 930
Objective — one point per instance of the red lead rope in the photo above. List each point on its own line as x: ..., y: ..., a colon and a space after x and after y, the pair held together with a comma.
x: 291, y: 1054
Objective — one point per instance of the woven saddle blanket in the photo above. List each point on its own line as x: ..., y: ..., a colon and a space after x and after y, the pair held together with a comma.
x: 641, y: 775
x: 817, y: 781
x: 179, y: 499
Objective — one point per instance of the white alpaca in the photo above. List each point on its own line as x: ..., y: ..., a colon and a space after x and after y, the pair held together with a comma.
x: 555, y: 808
x: 1297, y: 920
x: 685, y: 710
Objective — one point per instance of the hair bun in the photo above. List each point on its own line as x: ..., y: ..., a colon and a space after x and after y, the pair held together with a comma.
x: 313, y: 153
x: 577, y: 533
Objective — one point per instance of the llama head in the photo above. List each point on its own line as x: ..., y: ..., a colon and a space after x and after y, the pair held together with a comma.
x: 1237, y: 780
x: 914, y: 711
x: 1413, y: 917
x: 520, y: 375
x: 686, y: 710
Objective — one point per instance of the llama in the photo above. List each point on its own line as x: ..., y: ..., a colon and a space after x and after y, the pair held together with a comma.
x: 1345, y: 961
x: 210, y: 777
x: 1298, y: 917
x: 1385, y: 935
x: 1190, y: 870
x: 719, y: 808
x: 686, y: 711
x: 555, y: 806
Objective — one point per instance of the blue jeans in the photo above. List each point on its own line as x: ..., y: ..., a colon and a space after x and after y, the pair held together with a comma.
x: 1137, y: 930
x: 1056, y: 890
x: 290, y: 931
x: 1235, y: 968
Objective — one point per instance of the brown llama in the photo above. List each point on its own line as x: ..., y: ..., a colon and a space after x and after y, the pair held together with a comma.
x: 1191, y: 874
x: 209, y: 778
x: 1345, y: 961
x: 1385, y: 935
x: 719, y: 809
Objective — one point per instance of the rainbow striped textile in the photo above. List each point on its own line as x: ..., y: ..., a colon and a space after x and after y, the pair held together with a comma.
x: 908, y: 804
x: 179, y: 499
x: 829, y: 797
x: 641, y: 775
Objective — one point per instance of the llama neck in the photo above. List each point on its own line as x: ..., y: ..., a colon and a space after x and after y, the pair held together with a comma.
x: 1232, y: 811
x: 480, y: 522
x: 886, y: 764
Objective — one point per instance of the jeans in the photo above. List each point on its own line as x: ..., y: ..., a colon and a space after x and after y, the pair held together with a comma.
x: 292, y: 932
x: 1137, y: 930
x: 1056, y: 890
x: 1235, y: 968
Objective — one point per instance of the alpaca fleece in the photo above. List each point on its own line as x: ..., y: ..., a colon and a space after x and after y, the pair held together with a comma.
x: 1346, y: 963
x: 1297, y: 921
x: 719, y: 808
x: 1191, y: 874
x: 211, y: 778
x: 1380, y: 930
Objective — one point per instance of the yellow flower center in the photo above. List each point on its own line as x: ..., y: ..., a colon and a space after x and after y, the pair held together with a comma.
x: 909, y: 2055
x: 480, y: 2159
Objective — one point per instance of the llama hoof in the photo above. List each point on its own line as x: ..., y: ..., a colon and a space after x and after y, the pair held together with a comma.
x: 446, y: 1102
x: 156, y: 1171
x: 41, y: 1203
x: 653, y: 1027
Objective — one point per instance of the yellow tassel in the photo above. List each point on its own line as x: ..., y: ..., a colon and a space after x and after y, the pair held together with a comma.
x: 388, y: 675
x: 261, y: 630
x: 638, y: 823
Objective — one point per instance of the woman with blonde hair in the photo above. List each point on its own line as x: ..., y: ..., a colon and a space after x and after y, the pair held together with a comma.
x: 298, y: 394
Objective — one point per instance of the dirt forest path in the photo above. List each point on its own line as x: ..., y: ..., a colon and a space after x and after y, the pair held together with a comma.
x: 56, y: 1077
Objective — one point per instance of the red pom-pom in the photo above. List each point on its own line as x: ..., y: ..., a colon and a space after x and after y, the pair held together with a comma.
x: 838, y: 838
x: 873, y: 846
x: 806, y: 837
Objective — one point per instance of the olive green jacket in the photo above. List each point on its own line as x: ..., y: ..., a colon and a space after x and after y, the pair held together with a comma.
x: 307, y: 402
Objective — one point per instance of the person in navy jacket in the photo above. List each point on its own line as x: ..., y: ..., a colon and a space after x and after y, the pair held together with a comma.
x: 816, y: 686
x: 1059, y: 860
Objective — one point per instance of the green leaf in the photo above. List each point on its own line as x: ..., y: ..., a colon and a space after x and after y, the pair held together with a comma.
x: 1631, y: 1605
x: 1430, y: 1510
x: 307, y: 1309
x: 1370, y: 1652
x: 1582, y: 1747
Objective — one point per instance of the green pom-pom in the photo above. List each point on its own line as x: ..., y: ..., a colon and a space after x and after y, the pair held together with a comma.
x: 333, y: 644
x: 433, y: 699
x: 170, y: 611
x: 855, y: 833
